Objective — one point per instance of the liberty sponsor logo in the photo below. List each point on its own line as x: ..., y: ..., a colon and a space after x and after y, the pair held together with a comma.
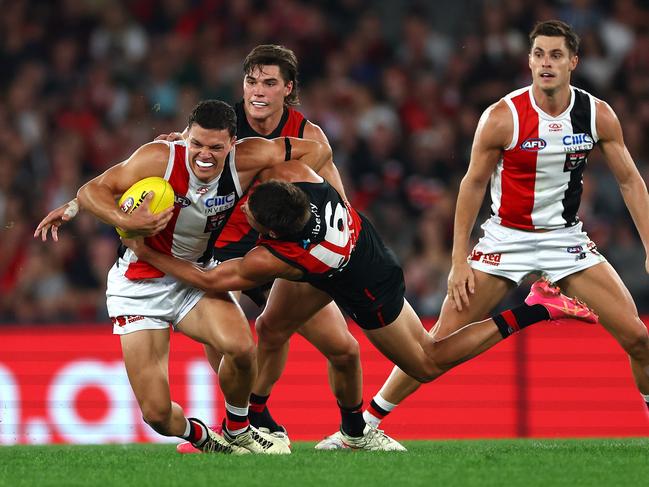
x: 318, y: 221
x: 577, y: 142
x: 219, y: 203
x: 555, y: 127
x: 489, y: 259
x: 533, y: 144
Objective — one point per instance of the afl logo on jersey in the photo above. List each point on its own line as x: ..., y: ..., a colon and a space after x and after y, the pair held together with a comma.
x: 181, y: 201
x: 533, y: 145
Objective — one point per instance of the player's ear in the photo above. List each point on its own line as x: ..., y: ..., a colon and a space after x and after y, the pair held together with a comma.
x: 288, y: 89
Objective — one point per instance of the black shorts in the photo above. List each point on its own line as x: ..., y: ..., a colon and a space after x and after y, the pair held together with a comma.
x: 258, y: 295
x: 370, y: 288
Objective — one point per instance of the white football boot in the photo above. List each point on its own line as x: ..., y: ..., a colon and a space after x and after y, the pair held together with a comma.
x: 373, y: 439
x: 256, y: 441
x: 280, y: 435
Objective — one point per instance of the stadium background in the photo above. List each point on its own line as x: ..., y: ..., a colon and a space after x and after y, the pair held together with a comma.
x: 398, y: 88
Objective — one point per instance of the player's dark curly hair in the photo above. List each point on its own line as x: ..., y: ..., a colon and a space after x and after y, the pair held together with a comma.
x: 556, y: 28
x: 214, y: 114
x: 280, y: 56
x: 281, y: 207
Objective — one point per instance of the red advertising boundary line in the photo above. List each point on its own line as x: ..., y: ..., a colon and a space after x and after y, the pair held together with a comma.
x: 67, y: 384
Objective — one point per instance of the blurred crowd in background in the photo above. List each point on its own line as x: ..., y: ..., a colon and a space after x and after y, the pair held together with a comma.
x: 397, y: 86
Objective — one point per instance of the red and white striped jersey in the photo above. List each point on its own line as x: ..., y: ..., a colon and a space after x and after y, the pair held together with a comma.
x: 200, y: 212
x: 537, y: 184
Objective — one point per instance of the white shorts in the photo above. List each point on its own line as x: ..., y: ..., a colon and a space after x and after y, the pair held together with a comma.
x: 514, y: 254
x: 147, y: 304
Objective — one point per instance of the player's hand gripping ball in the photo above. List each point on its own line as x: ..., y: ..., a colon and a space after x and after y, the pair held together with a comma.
x: 163, y: 198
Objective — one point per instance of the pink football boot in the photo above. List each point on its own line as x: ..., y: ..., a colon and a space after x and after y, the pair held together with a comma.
x: 186, y: 447
x: 558, y: 305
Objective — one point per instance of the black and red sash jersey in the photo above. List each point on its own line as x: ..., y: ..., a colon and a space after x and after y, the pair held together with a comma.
x: 237, y: 237
x: 326, y: 244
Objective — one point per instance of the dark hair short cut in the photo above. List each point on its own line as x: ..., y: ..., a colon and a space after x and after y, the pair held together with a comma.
x: 214, y: 114
x: 274, y: 55
x: 556, y: 28
x: 281, y: 207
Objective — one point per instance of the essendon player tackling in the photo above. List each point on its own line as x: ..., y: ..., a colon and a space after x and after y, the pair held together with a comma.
x: 309, y: 233
x: 270, y: 89
x: 534, y: 144
x: 208, y: 173
x: 269, y: 93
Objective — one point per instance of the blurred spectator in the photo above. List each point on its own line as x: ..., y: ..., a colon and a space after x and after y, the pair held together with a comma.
x: 397, y: 86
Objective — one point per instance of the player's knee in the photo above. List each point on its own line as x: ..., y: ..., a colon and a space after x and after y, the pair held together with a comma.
x: 269, y: 335
x: 427, y: 371
x: 242, y: 355
x: 346, y: 357
x: 157, y: 415
x: 636, y: 344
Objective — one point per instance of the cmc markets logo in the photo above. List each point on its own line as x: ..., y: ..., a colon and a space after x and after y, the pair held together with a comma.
x: 577, y: 142
x: 533, y: 144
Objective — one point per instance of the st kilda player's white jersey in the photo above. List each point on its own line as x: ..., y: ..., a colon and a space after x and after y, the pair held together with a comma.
x: 538, y: 182
x: 200, y: 212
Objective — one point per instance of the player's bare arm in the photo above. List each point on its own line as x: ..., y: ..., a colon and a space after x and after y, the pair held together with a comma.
x: 254, y: 154
x: 329, y: 171
x: 632, y: 186
x: 292, y: 172
x: 493, y: 134
x: 256, y: 268
x: 99, y: 194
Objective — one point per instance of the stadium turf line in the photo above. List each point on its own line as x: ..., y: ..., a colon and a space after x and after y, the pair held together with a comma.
x: 584, y: 462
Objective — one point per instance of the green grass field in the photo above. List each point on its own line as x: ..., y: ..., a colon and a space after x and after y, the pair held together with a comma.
x: 613, y: 462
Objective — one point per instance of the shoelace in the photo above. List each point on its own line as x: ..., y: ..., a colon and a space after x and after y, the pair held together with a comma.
x: 259, y: 439
x: 213, y: 446
x: 377, y: 433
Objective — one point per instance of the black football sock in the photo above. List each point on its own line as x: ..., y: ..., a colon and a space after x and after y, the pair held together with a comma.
x: 516, y: 319
x: 259, y: 414
x: 352, y: 422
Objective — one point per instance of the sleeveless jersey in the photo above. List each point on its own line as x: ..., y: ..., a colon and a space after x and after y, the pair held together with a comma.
x: 538, y: 182
x: 200, y: 212
x: 326, y: 244
x: 237, y: 238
